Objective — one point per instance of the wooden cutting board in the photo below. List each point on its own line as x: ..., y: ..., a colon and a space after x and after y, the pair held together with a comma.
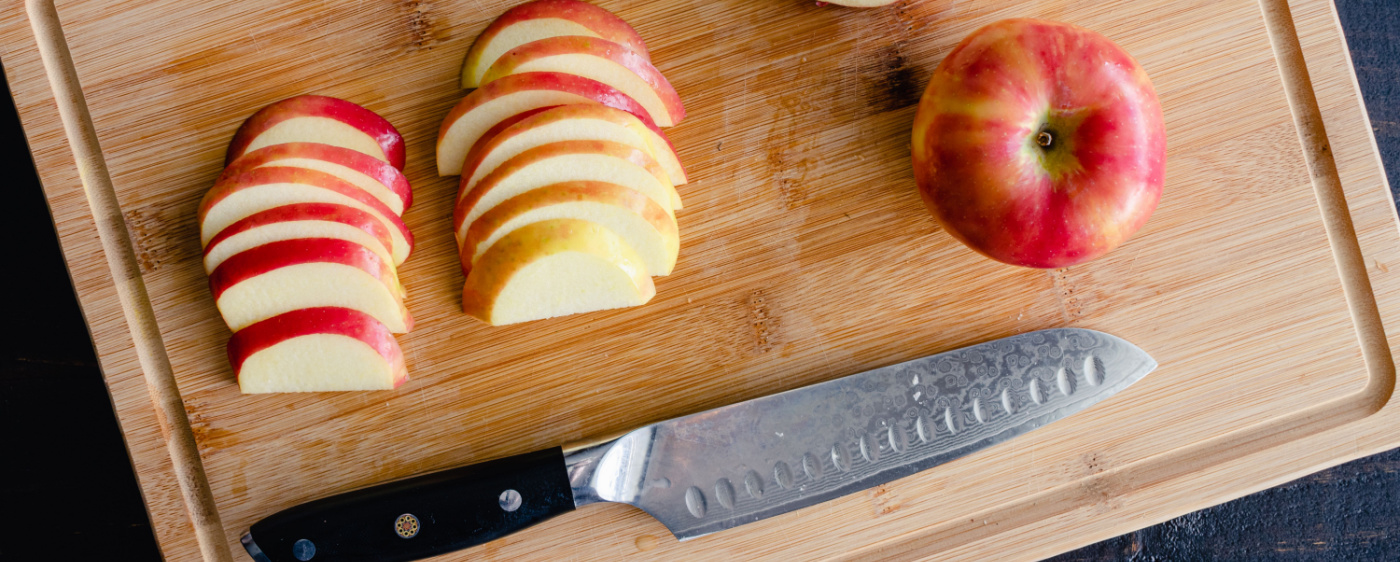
x: 1265, y: 284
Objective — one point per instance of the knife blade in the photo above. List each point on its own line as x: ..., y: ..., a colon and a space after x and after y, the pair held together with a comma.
x: 737, y: 464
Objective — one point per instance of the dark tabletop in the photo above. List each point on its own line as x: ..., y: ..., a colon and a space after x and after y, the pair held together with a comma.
x: 67, y: 491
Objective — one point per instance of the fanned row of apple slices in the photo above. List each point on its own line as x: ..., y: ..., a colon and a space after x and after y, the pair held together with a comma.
x: 302, y: 237
x: 568, y: 195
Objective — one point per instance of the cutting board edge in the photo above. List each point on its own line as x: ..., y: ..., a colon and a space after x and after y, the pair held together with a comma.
x: 1371, y: 404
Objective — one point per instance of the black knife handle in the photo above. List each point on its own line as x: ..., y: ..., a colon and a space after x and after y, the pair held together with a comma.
x: 421, y: 516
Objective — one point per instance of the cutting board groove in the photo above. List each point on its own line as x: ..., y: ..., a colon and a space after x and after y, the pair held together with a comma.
x: 1263, y: 284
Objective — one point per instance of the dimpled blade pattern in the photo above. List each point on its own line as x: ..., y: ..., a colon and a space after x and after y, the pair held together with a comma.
x: 812, y: 444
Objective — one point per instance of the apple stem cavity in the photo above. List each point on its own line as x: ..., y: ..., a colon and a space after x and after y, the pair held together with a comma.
x: 1045, y: 139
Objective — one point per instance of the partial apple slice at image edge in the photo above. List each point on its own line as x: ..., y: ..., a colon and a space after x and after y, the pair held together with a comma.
x: 321, y: 349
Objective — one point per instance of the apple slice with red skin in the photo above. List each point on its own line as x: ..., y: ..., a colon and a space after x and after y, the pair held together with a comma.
x: 503, y: 125
x: 319, y: 349
x: 639, y: 221
x: 492, y: 103
x: 555, y: 268
x: 286, y: 275
x: 260, y: 189
x: 541, y: 19
x: 601, y: 60
x: 386, y: 183
x: 561, y: 162
x: 1039, y: 144
x: 568, y: 122
x: 319, y: 119
x: 300, y: 220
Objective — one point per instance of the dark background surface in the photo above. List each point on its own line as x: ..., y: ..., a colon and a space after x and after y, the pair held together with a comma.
x: 67, y: 491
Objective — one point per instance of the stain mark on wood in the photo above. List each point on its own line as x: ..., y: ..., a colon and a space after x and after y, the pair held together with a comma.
x: 1070, y: 305
x: 763, y: 322
x: 423, y: 33
x: 891, y: 83
x: 162, y: 235
x: 883, y: 501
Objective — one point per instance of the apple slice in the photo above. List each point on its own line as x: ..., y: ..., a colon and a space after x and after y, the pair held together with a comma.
x: 260, y: 189
x: 555, y: 268
x: 300, y: 220
x: 282, y: 276
x: 386, y: 183
x: 322, y: 349
x: 639, y: 221
x: 563, y: 162
x: 320, y: 119
x: 601, y: 60
x: 588, y: 121
x: 541, y: 19
x: 492, y: 103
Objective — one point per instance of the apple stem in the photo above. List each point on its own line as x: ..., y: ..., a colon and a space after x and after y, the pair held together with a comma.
x: 1044, y: 139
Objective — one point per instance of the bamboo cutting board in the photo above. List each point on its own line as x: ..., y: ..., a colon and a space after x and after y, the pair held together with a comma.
x: 1263, y: 284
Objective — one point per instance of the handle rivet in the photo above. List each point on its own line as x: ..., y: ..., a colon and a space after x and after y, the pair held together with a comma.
x: 406, y: 526
x: 510, y: 500
x: 303, y: 550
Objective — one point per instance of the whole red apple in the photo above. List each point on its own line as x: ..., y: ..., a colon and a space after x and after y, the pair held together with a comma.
x: 1039, y: 144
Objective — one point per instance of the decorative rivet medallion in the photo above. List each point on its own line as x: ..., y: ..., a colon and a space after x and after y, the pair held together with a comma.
x: 406, y: 526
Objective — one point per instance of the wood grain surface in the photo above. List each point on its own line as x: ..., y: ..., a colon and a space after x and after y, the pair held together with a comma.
x: 806, y: 255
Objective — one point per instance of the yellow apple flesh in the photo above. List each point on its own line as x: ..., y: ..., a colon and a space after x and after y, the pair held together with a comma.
x: 639, y: 221
x: 555, y: 268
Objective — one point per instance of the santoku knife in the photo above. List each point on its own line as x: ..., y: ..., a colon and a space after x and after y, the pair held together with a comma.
x: 729, y: 466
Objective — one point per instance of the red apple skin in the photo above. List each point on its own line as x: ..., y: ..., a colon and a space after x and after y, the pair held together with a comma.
x: 329, y: 212
x: 288, y: 174
x: 578, y: 85
x: 977, y: 156
x: 602, y: 48
x: 320, y: 320
x: 363, y: 163
x: 602, y: 22
x: 346, y: 112
x: 258, y: 260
